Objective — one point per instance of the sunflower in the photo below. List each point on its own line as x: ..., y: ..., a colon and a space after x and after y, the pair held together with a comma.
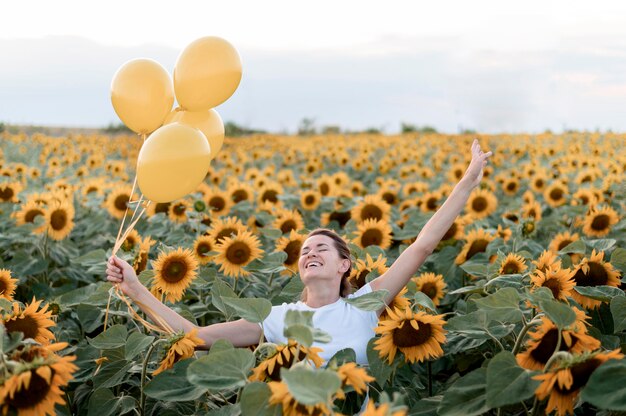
x: 354, y: 376
x: 218, y: 201
x: 31, y: 322
x: 117, y: 201
x: 290, y: 406
x: 373, y: 233
x: 598, y: 222
x: 512, y: 264
x: 177, y: 211
x: 158, y: 208
x: 430, y: 201
x: 399, y: 302
x: 417, y: 335
x: 287, y: 221
x: 362, y: 268
x: 59, y: 220
x: 340, y: 217
x: 476, y: 241
x: 174, y: 272
x: 511, y: 216
x: 268, y: 194
x: 9, y: 191
x: 511, y: 186
x: 414, y: 188
x: 562, y: 240
x: 234, y: 253
x: 141, y: 259
x: 7, y: 284
x: 132, y: 239
x: 310, y: 199
x: 240, y: 191
x: 284, y: 356
x: 544, y: 339
x: 503, y: 233
x: 291, y: 245
x: 27, y: 214
x: 481, y: 203
x: 35, y: 388
x: 555, y: 194
x: 371, y: 207
x: 92, y: 186
x: 559, y: 281
x: 564, y: 382
x: 382, y: 410
x: 594, y: 271
x: 221, y: 228
x: 546, y: 259
x: 432, y: 285
x: 532, y: 209
x: 203, y: 245
x: 584, y: 197
x: 181, y: 347
x: 325, y: 185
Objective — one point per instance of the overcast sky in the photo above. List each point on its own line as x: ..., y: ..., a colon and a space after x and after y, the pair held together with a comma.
x: 490, y: 66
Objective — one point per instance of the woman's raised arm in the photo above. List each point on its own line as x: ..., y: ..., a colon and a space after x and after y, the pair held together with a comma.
x: 411, y: 259
x: 241, y: 333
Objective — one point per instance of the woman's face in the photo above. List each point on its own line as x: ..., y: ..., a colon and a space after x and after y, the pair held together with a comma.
x: 319, y: 258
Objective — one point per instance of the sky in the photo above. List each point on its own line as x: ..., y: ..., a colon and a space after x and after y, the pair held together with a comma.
x: 486, y: 65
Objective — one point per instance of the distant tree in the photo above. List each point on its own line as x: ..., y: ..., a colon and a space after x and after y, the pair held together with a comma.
x: 307, y: 127
x: 331, y: 130
x: 468, y: 131
x: 427, y: 129
x: 372, y: 130
x: 407, y: 128
x: 119, y: 128
x: 232, y: 129
x: 2, y: 127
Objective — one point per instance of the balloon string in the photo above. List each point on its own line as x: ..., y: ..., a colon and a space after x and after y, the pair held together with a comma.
x: 163, y: 327
x: 119, y: 232
x: 131, y: 226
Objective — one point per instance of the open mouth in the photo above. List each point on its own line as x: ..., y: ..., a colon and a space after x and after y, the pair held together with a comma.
x: 313, y: 264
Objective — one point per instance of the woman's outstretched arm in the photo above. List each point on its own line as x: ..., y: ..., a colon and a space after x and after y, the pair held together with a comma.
x: 241, y: 333
x: 407, y: 264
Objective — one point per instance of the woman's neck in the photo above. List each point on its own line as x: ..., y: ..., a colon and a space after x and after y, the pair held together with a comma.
x: 318, y: 296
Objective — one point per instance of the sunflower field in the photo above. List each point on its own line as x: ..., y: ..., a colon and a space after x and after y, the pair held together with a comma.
x: 519, y: 311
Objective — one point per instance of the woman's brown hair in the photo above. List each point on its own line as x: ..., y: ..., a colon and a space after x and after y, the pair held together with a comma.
x: 345, y: 288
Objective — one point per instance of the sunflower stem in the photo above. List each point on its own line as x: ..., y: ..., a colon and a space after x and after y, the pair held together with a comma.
x: 142, y: 396
x: 522, y: 334
x: 430, y: 378
x: 535, y: 407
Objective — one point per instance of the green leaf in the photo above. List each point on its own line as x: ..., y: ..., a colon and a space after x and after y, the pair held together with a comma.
x: 618, y: 259
x: 112, y: 374
x: 136, y: 343
x: 310, y: 386
x: 221, y: 345
x: 601, y: 293
x: 507, y: 280
x: 303, y: 334
x: 103, y: 403
x: 251, y: 309
x: 372, y: 301
x: 291, y: 292
x: 606, y: 388
x: 422, y: 299
x: 346, y: 355
x: 475, y: 269
x: 468, y: 289
x: 219, y: 291
x: 575, y: 247
x: 467, y: 396
x: 228, y: 410
x: 173, y: 385
x: 378, y: 367
x: 5, y: 305
x: 293, y: 317
x: 222, y: 370
x: 90, y: 317
x: 507, y: 382
x: 602, y: 244
x: 559, y: 313
x: 113, y: 337
x: 618, y: 310
x: 426, y: 407
x: 502, y: 306
x: 255, y: 401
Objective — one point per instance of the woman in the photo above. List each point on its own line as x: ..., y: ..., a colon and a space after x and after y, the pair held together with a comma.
x: 324, y: 266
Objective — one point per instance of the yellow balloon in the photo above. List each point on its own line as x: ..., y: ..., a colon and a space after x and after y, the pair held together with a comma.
x: 142, y: 94
x: 172, y: 162
x: 208, y: 122
x: 207, y: 72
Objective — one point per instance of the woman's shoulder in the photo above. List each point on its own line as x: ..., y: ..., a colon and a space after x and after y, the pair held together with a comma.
x: 365, y: 289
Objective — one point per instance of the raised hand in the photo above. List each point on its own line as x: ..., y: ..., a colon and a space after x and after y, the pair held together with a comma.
x: 122, y: 273
x: 474, y: 172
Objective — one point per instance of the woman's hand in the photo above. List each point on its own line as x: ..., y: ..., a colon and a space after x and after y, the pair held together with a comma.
x: 122, y: 273
x: 474, y: 172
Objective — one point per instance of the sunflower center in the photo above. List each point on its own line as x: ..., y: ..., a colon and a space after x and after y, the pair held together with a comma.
x: 556, y: 194
x: 28, y: 398
x: 226, y: 232
x: 431, y: 203
x: 478, y: 246
x: 26, y: 324
x: 6, y: 193
x: 324, y: 189
x: 179, y: 209
x: 390, y: 198
x: 58, y: 219
x: 270, y: 195
x: 240, y: 195
x: 121, y: 202
x: 580, y: 375
x: 341, y: 217
x: 511, y: 186
x: 600, y: 222
x: 584, y: 199
x: 288, y: 225
x: 371, y: 237
x: 450, y: 233
x: 510, y: 268
x: 203, y: 248
x: 293, y: 252
x: 479, y: 204
x: 32, y: 214
x: 407, y: 336
x: 371, y: 211
x: 429, y: 289
x: 238, y: 253
x: 217, y: 203
x: 174, y: 270
x: 360, y: 279
x: 539, y: 183
x: 546, y: 346
x: 129, y: 243
x: 160, y: 207
x: 564, y: 244
x: 554, y: 286
x: 287, y: 362
x: 597, y: 275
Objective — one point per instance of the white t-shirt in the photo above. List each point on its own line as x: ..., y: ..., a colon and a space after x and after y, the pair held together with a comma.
x: 349, y: 326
